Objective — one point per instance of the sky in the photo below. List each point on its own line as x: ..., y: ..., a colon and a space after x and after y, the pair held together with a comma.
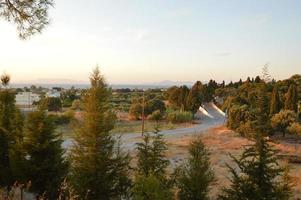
x: 143, y: 41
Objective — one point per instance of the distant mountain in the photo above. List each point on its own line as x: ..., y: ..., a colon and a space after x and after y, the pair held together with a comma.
x: 171, y: 83
x: 58, y: 81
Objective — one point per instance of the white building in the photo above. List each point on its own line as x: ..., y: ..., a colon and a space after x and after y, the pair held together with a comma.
x: 53, y: 93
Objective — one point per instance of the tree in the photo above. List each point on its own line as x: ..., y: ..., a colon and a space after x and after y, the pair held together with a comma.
x: 282, y: 120
x: 195, y: 176
x: 291, y: 100
x: 54, y: 104
x: 135, y: 111
x: 150, y: 179
x: 155, y: 104
x: 195, y: 98
x: 266, y: 77
x: 99, y: 168
x: 150, y: 187
x: 275, y: 106
x: 11, y: 123
x: 259, y: 175
x: 151, y: 155
x: 261, y: 111
x: 31, y: 17
x: 45, y: 164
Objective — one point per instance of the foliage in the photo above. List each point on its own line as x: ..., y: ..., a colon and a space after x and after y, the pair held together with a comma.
x: 45, y: 165
x: 275, y: 106
x: 179, y: 116
x: 259, y: 175
x: 291, y: 98
x: 156, y: 115
x: 294, y: 128
x: 154, y: 105
x: 31, y: 17
x: 282, y: 120
x: 195, y: 97
x: 99, y: 168
x: 135, y: 111
x: 54, y: 104
x: 150, y: 178
x: 11, y: 123
x: 195, y: 176
x: 62, y: 119
x: 150, y: 187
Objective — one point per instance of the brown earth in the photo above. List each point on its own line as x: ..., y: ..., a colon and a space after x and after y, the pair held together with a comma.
x: 221, y: 142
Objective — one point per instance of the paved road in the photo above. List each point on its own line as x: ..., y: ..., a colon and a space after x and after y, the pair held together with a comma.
x: 206, y: 122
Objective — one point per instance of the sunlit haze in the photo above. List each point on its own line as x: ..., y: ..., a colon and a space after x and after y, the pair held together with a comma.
x: 140, y: 42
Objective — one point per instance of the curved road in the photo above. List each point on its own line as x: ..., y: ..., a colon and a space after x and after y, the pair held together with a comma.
x: 209, y: 116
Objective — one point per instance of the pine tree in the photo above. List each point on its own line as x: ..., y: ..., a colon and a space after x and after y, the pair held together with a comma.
x: 259, y: 176
x: 151, y: 155
x: 99, y: 169
x: 275, y: 106
x: 195, y: 176
x: 291, y: 101
x: 10, y: 127
x: 45, y: 164
x: 151, y: 181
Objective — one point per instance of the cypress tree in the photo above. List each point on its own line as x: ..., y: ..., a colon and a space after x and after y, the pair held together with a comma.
x: 195, y: 176
x: 151, y: 181
x: 45, y: 165
x: 275, y: 106
x: 259, y: 175
x: 195, y: 98
x: 291, y: 100
x: 99, y: 169
x: 261, y: 123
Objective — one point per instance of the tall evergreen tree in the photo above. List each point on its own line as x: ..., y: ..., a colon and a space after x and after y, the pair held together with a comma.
x: 99, y: 169
x: 275, y: 106
x: 259, y: 176
x: 150, y: 179
x: 195, y: 98
x: 261, y: 111
x: 45, y: 164
x: 9, y: 129
x: 291, y: 98
x: 195, y: 176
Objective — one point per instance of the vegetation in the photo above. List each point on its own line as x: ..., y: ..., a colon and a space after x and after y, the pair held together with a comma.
x: 151, y: 180
x: 264, y: 107
x: 179, y: 116
x: 258, y: 176
x: 44, y: 166
x: 99, y: 169
x: 283, y: 120
x: 31, y: 17
x: 195, y: 176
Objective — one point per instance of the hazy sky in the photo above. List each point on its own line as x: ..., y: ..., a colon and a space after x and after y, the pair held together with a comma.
x: 142, y: 41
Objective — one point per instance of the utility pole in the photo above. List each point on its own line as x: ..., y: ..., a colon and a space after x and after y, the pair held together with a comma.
x: 142, y: 117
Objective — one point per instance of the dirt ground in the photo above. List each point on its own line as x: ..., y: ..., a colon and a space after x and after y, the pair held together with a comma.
x: 221, y: 142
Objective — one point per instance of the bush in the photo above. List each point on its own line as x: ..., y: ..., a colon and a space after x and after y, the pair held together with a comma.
x: 295, y: 128
x: 179, y: 116
x: 66, y: 118
x: 156, y: 115
x: 135, y: 111
x: 282, y: 120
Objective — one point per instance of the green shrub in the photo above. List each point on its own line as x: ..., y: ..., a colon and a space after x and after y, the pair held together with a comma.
x: 179, y: 116
x: 156, y: 115
x: 66, y: 118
